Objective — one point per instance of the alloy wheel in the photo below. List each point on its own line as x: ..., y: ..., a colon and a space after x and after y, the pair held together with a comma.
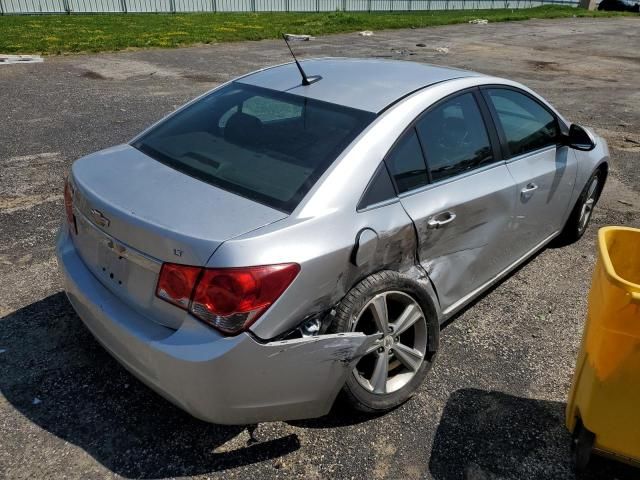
x: 587, y: 206
x: 397, y: 322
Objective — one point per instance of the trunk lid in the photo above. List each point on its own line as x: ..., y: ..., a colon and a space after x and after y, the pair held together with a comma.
x: 158, y: 210
x: 133, y: 213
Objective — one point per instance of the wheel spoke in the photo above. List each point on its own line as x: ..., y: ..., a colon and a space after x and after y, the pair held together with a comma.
x: 409, y: 357
x: 374, y: 346
x: 386, y: 319
x: 407, y: 318
x: 380, y: 315
x: 380, y: 372
x: 587, y: 206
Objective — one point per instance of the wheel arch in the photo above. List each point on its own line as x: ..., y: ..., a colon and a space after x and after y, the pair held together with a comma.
x: 604, y: 168
x: 415, y: 276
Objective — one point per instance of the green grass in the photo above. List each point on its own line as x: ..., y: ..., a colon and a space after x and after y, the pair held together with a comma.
x: 60, y: 34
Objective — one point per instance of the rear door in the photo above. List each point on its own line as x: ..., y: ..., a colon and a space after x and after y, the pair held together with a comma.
x: 543, y: 168
x: 461, y: 200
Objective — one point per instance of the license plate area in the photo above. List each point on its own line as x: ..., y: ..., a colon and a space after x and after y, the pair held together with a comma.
x: 111, y: 265
x: 115, y: 264
x: 129, y: 274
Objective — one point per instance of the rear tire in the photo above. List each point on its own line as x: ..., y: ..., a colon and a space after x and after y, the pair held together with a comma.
x: 581, y: 214
x: 390, y: 373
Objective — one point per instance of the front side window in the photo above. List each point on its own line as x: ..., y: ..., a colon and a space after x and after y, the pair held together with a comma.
x: 454, y: 137
x: 261, y: 144
x: 526, y: 124
x: 406, y: 163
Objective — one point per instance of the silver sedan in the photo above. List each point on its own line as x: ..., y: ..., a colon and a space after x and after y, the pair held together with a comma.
x: 277, y: 241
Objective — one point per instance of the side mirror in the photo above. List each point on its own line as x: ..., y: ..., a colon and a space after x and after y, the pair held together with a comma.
x: 580, y: 138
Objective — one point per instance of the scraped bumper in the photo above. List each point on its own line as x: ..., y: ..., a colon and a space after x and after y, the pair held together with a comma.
x: 227, y: 380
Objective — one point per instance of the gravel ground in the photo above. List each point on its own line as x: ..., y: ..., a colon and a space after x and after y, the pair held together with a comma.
x: 493, y: 406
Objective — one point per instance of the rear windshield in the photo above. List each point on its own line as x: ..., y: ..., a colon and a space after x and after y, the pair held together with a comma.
x: 268, y: 146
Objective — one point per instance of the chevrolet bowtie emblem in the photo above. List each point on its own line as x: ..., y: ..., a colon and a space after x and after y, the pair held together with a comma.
x: 99, y: 218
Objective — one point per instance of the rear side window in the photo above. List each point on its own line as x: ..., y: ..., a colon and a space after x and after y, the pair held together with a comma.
x: 406, y: 163
x: 380, y: 188
x: 261, y: 144
x: 454, y: 137
x: 526, y: 124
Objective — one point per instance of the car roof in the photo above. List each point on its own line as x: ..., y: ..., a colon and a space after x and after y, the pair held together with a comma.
x: 365, y: 84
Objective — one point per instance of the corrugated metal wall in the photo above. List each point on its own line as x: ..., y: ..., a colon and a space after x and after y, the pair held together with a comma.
x: 171, y: 6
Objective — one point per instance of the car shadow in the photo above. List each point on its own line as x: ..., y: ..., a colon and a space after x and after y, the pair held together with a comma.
x: 486, y: 435
x: 55, y: 374
x: 342, y: 414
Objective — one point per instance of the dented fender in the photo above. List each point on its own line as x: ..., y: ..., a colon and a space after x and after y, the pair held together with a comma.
x: 346, y: 348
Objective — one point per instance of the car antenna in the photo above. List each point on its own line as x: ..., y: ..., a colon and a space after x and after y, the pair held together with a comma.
x: 305, y: 80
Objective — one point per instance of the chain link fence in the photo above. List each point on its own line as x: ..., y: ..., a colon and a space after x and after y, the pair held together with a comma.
x: 39, y: 7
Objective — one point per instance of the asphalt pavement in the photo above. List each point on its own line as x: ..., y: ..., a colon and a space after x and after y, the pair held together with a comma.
x: 492, y: 407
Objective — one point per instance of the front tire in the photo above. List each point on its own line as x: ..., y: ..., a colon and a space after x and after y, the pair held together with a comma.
x: 582, y: 211
x: 399, y: 313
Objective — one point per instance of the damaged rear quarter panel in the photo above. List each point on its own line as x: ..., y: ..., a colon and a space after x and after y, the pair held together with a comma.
x: 324, y: 248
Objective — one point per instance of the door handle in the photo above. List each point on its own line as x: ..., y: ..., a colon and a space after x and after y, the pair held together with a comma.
x: 441, y: 219
x: 531, y: 187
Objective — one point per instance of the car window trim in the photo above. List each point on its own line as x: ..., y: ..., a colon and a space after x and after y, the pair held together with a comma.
x: 504, y: 145
x: 495, y: 150
x: 454, y: 178
x: 424, y: 153
x: 492, y: 129
x: 493, y: 140
x: 373, y: 206
x: 532, y: 153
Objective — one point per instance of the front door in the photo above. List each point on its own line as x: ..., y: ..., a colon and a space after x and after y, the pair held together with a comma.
x: 543, y: 169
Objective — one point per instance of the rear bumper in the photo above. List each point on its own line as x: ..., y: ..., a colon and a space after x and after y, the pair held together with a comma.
x: 227, y: 380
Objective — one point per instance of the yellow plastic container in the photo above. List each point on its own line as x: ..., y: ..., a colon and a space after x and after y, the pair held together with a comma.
x: 603, y: 409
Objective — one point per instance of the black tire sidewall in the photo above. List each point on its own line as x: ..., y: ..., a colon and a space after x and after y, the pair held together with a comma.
x: 583, y: 199
x: 348, y: 311
x: 572, y: 232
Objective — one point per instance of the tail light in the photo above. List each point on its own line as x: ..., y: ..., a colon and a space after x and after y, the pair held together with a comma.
x: 229, y: 299
x: 176, y: 283
x: 68, y: 205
